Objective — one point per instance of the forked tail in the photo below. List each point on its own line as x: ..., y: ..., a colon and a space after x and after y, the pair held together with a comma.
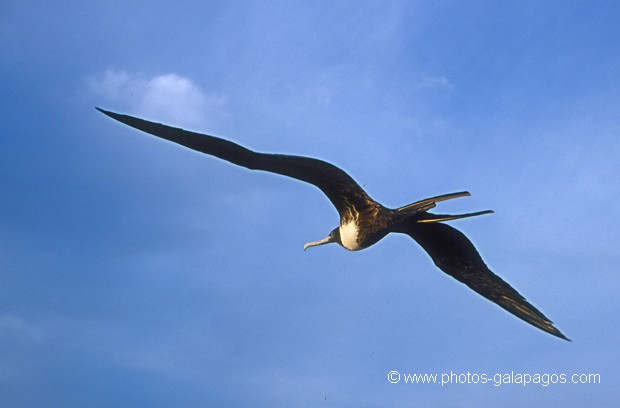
x: 428, y: 203
x: 424, y: 205
x: 428, y: 217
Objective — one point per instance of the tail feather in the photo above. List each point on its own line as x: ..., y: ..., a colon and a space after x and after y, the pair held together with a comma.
x: 428, y: 203
x: 449, y: 217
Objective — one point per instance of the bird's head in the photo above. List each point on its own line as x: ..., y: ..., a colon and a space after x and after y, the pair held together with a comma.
x: 333, y: 236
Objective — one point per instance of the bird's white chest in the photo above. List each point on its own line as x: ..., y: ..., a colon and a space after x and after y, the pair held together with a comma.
x: 348, y: 236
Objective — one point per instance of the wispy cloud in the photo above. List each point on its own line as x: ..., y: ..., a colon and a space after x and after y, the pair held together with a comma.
x: 435, y: 82
x: 16, y: 326
x: 170, y: 97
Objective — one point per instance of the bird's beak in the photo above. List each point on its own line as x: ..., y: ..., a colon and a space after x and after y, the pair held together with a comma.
x: 328, y: 239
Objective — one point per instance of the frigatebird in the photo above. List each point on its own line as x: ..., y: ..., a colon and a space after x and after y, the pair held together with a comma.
x: 363, y: 221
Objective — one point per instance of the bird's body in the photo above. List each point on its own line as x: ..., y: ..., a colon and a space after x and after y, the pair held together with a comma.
x: 360, y: 229
x: 363, y: 221
x: 350, y: 236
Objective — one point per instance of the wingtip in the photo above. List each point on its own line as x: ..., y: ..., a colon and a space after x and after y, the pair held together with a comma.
x: 559, y: 334
x: 116, y: 116
x: 105, y: 112
x: 549, y: 328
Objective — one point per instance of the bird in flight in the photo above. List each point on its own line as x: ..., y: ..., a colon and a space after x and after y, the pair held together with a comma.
x: 363, y: 221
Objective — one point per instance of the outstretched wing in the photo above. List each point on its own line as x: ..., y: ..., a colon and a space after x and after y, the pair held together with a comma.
x: 337, y: 185
x: 454, y: 254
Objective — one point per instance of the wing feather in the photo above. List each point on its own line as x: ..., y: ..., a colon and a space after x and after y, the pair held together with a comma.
x: 454, y: 254
x: 336, y: 184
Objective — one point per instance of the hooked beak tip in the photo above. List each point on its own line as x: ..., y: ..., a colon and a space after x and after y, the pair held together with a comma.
x: 323, y: 241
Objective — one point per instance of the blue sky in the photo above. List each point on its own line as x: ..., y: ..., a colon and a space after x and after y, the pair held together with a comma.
x: 138, y: 273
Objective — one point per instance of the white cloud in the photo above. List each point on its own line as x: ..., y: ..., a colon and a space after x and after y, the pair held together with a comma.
x: 19, y: 327
x: 435, y: 82
x: 320, y: 94
x: 167, y: 97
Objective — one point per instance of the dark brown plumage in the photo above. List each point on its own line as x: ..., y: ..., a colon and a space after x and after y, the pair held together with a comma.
x: 364, y: 221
